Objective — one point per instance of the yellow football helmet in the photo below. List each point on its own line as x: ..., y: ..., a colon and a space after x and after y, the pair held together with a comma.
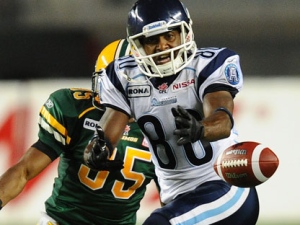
x: 112, y: 51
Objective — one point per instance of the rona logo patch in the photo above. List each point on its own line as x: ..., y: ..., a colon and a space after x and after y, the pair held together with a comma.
x: 137, y: 91
x: 90, y: 124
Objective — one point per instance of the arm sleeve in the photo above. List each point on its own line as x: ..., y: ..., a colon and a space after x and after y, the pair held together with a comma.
x: 112, y: 91
x: 221, y: 87
x: 53, y: 121
x: 222, y: 73
x: 45, y: 149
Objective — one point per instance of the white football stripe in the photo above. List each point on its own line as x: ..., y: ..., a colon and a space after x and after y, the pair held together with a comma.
x: 219, y: 166
x: 255, y: 166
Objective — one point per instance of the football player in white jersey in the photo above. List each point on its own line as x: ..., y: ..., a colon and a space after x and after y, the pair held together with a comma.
x: 182, y: 98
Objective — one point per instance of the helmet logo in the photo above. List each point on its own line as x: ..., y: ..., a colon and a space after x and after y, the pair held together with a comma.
x: 155, y: 28
x: 154, y: 25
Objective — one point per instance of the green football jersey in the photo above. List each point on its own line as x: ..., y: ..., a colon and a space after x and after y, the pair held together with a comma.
x: 81, y: 195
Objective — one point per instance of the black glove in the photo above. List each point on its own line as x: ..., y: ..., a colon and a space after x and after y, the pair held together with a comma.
x: 187, y: 127
x: 96, y: 154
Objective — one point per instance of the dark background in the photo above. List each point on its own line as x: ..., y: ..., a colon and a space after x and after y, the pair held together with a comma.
x: 62, y: 39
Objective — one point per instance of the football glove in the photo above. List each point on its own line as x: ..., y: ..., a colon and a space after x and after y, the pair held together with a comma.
x: 96, y: 154
x: 187, y: 127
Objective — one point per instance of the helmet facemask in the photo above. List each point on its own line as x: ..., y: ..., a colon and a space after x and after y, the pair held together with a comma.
x: 186, y: 50
x: 95, y: 89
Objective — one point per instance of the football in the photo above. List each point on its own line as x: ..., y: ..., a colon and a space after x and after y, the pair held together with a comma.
x: 246, y: 164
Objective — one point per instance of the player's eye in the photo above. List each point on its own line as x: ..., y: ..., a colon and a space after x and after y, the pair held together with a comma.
x: 154, y: 40
x: 150, y: 40
x: 170, y: 36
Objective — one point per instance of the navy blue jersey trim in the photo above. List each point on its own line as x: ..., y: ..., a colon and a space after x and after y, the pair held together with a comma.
x: 111, y: 74
x: 221, y: 87
x: 110, y: 71
x: 116, y: 108
x: 214, y: 64
x: 127, y: 62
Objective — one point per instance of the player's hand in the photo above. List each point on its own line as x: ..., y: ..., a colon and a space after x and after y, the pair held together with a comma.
x: 96, y: 155
x: 187, y: 127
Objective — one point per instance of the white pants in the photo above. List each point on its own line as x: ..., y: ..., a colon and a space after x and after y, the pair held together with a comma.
x: 46, y: 220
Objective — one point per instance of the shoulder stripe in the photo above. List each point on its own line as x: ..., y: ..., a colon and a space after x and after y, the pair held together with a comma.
x: 50, y: 130
x: 54, y: 124
x: 216, y: 63
x: 213, y: 65
x: 127, y: 62
x: 113, y: 77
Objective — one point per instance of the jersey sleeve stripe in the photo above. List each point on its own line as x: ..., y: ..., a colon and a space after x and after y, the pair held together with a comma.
x: 214, y: 64
x: 55, y: 124
x: 50, y: 130
x: 113, y: 77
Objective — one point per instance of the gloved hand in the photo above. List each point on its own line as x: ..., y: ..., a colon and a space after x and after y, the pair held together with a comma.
x: 96, y: 155
x: 187, y: 127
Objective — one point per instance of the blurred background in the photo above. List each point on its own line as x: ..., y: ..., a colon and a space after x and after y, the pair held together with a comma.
x: 46, y: 45
x: 57, y: 39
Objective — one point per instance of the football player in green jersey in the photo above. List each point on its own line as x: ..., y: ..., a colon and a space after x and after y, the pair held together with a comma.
x: 81, y: 195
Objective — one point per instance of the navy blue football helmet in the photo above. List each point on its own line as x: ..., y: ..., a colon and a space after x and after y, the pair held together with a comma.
x: 152, y: 17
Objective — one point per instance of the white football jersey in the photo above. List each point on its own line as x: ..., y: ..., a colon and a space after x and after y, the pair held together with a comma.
x: 179, y: 168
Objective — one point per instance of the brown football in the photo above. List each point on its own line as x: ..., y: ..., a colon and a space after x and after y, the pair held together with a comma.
x: 246, y: 164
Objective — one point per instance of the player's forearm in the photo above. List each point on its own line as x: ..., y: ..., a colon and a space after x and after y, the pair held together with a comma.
x: 217, y: 126
x: 12, y: 183
x: 113, y: 123
x: 218, y: 120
